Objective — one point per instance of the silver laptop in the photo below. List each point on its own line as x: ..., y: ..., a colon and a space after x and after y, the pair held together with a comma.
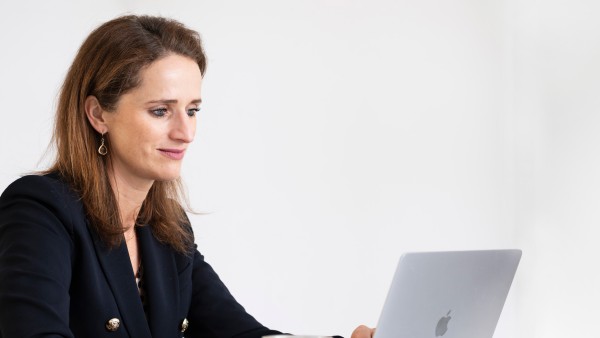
x: 456, y: 294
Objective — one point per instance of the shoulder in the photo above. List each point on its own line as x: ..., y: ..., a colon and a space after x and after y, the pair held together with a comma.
x: 52, y: 178
x: 41, y: 195
x: 48, y: 187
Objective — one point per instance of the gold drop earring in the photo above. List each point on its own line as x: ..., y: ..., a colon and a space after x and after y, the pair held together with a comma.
x: 102, y: 150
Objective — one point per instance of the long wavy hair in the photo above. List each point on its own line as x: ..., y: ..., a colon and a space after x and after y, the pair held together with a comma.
x: 107, y: 65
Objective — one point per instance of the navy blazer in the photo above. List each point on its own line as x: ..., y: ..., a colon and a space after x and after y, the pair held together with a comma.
x: 57, y: 279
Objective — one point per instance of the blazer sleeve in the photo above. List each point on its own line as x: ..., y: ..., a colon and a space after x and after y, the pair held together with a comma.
x: 35, y: 260
x: 214, y: 312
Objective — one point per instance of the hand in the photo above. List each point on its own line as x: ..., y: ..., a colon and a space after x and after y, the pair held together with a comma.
x: 363, y: 332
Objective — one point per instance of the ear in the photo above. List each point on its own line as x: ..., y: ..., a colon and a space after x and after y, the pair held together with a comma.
x: 94, y: 113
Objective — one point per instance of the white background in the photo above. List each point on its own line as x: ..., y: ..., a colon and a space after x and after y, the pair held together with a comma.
x: 336, y: 135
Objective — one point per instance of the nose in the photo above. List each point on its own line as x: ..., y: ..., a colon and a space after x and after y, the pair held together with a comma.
x: 183, y: 127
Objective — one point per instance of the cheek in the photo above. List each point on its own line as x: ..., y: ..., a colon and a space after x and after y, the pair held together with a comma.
x: 193, y: 124
x: 134, y: 137
x: 194, y: 128
x: 147, y: 139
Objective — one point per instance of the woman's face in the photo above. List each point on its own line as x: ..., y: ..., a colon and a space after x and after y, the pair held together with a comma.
x: 154, y: 123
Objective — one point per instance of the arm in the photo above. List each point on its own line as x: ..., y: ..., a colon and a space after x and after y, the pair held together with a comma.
x: 214, y: 312
x: 35, y: 261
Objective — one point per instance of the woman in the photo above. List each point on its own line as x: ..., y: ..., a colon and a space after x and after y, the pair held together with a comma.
x: 99, y: 245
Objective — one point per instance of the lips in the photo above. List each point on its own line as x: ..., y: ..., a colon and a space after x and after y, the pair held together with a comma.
x: 174, y: 154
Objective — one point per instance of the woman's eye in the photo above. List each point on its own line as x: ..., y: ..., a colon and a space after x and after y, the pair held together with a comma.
x: 193, y: 111
x: 159, y: 112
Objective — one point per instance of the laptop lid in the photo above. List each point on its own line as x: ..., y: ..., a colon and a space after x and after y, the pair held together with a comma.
x: 457, y: 294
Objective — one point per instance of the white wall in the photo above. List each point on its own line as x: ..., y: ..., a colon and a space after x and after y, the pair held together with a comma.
x: 557, y: 103
x: 336, y: 135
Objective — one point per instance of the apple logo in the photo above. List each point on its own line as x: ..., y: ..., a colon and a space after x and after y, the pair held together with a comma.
x: 442, y: 325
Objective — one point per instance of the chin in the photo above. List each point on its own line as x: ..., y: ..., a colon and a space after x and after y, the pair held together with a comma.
x: 167, y: 176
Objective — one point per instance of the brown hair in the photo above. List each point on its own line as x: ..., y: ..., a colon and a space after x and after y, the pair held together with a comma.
x: 108, y: 65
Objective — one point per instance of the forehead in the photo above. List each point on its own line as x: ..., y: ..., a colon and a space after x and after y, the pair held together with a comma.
x: 171, y: 77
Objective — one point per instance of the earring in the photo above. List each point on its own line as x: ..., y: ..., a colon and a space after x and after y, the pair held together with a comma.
x: 102, y: 150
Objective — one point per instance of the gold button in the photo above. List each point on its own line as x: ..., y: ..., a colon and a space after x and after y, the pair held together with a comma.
x: 113, y: 324
x: 184, y: 324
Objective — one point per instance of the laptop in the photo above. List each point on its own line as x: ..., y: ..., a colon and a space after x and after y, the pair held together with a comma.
x: 457, y: 294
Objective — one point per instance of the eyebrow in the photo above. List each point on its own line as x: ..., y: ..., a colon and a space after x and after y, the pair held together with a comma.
x: 170, y: 101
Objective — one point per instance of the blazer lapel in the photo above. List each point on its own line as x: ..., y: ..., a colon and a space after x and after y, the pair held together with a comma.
x: 119, y: 274
x: 160, y: 284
